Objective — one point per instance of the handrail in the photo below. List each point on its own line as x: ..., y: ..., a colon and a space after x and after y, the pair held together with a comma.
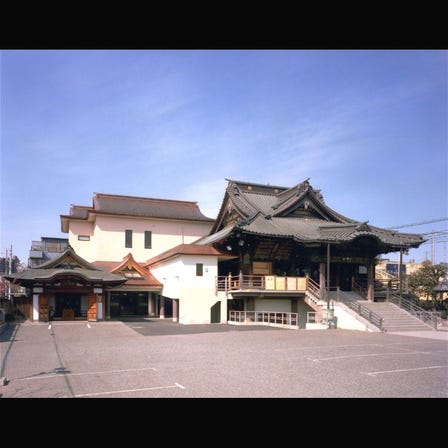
x: 313, y: 287
x: 361, y: 289
x: 365, y: 312
x: 428, y: 317
x: 361, y: 309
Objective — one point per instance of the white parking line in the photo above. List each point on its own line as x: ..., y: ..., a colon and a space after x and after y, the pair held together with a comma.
x: 331, y: 347
x: 405, y: 370
x: 52, y: 375
x: 370, y: 354
x: 127, y: 391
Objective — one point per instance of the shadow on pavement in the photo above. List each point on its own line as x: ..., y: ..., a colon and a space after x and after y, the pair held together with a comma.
x: 148, y: 326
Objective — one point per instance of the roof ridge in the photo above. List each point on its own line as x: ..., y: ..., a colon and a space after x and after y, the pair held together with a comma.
x: 121, y: 196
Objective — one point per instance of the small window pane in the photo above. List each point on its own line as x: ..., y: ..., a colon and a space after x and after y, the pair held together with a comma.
x: 148, y: 235
x: 83, y: 238
x: 199, y: 269
x: 128, y: 238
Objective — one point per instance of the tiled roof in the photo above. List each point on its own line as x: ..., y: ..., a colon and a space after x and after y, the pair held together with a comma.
x: 68, y: 264
x: 187, y: 249
x: 112, y: 204
x: 298, y: 212
x: 319, y: 230
x: 215, y: 237
x: 148, y: 207
x: 38, y: 274
x: 145, y: 277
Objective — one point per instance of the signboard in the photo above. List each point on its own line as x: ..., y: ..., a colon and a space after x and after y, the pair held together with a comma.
x: 269, y: 281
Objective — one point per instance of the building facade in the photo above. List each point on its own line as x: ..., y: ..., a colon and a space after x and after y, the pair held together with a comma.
x: 271, y: 249
x: 292, y: 251
x: 46, y: 249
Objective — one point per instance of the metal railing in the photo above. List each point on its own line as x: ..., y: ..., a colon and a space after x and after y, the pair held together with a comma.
x: 313, y: 288
x: 365, y: 312
x: 428, y: 317
x: 313, y: 317
x: 48, y: 246
x: 359, y: 308
x: 264, y: 318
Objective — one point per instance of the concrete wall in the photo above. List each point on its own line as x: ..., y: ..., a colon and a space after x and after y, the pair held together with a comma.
x: 348, y: 321
x: 196, y: 294
x: 302, y: 309
x: 85, y: 249
x: 277, y: 305
x: 107, y: 237
x: 169, y: 274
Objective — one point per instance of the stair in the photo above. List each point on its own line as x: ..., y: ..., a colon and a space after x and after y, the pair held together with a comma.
x: 313, y: 301
x: 395, y: 318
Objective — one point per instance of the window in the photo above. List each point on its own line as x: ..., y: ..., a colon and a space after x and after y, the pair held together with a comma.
x: 128, y: 238
x: 199, y: 269
x: 148, y: 236
x: 83, y: 238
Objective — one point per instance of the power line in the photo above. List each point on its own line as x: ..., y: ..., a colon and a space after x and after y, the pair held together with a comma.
x: 417, y: 223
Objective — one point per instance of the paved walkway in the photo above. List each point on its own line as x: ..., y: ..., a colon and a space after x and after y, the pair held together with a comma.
x: 148, y: 359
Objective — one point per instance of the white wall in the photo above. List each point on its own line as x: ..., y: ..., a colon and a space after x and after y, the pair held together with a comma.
x: 85, y: 249
x: 169, y: 274
x: 107, y: 237
x: 348, y: 321
x: 196, y: 294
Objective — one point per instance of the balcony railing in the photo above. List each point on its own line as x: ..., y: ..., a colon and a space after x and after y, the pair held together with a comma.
x: 48, y: 246
x: 264, y: 318
x: 229, y: 283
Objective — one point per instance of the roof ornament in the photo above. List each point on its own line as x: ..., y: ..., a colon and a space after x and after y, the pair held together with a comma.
x: 363, y: 227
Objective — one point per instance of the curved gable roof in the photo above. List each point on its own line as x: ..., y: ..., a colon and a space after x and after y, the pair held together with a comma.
x: 298, y: 212
x: 68, y: 264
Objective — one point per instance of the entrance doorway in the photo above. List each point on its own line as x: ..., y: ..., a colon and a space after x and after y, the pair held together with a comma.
x: 128, y: 303
x: 68, y: 306
x: 215, y: 313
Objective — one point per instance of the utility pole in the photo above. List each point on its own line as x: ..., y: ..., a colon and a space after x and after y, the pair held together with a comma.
x: 400, y: 272
x: 9, y: 283
x: 432, y: 248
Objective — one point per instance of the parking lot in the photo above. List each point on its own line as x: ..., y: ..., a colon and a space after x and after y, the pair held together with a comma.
x: 155, y: 358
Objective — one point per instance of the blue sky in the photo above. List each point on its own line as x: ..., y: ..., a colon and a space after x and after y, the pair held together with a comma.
x: 369, y: 127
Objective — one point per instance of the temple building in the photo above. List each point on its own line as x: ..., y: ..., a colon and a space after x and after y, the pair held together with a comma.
x: 271, y: 249
x: 67, y: 288
x: 291, y: 249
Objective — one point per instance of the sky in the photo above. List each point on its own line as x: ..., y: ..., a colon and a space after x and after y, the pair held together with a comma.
x: 368, y: 127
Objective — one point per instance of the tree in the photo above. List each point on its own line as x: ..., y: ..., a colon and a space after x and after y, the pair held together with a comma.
x: 423, y: 281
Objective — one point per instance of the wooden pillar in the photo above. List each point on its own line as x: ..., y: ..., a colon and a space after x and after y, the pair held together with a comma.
x: 371, y: 281
x: 162, y: 308
x: 108, y: 305
x: 322, y: 280
x: 175, y: 310
x: 92, y: 307
x: 150, y: 304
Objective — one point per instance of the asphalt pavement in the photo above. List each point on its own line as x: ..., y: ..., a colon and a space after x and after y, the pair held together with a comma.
x: 155, y: 358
